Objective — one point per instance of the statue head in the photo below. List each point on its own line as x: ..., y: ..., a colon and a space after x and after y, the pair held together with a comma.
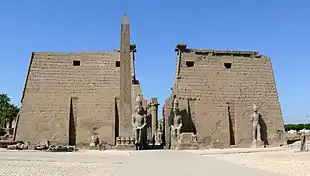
x: 175, y: 105
x: 139, y: 107
x: 255, y: 108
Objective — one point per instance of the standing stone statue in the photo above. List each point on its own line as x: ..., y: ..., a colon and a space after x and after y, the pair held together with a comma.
x: 138, y: 122
x: 159, y: 133
x: 177, y: 120
x: 256, y: 127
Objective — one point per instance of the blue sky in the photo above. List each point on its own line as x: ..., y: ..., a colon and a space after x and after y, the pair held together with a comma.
x: 279, y: 29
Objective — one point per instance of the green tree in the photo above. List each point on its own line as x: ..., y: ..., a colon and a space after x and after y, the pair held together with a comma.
x: 8, y: 111
x: 296, y: 127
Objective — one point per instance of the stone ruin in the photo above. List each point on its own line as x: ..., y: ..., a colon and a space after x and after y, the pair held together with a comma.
x: 93, y: 100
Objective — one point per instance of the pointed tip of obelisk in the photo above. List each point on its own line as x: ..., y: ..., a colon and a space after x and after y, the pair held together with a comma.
x: 125, y: 19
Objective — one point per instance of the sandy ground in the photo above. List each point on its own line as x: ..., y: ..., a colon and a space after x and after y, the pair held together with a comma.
x: 182, y: 163
x: 289, y: 162
x: 32, y: 163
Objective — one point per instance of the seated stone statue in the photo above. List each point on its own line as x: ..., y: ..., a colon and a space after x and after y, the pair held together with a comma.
x: 138, y: 121
x: 177, y: 120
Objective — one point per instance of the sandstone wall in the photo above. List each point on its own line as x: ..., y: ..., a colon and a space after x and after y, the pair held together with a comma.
x: 51, y: 83
x: 205, y: 89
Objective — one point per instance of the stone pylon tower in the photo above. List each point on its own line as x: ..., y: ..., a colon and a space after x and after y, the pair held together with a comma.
x: 125, y: 81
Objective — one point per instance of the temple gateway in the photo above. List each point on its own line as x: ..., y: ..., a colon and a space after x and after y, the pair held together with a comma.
x: 219, y: 99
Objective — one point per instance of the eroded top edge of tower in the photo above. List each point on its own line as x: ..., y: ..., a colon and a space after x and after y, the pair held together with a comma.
x: 70, y: 53
x: 183, y: 48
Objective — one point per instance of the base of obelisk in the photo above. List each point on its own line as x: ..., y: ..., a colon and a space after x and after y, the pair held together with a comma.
x: 125, y: 147
x: 258, y: 144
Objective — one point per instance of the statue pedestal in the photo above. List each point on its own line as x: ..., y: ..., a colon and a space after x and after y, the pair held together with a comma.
x: 187, y: 141
x: 258, y: 144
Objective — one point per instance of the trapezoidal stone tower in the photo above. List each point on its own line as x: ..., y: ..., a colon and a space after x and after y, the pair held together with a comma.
x: 216, y: 91
x: 69, y: 97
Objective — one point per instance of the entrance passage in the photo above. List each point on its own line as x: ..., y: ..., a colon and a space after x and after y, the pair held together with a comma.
x: 72, y: 121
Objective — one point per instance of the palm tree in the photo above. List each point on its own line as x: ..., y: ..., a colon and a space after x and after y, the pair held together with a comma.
x: 8, y: 111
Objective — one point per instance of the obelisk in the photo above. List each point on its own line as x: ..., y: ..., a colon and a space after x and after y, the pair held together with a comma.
x: 125, y: 128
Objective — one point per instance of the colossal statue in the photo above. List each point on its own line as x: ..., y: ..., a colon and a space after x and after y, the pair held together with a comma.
x: 255, y: 122
x: 159, y: 135
x: 138, y: 122
x: 177, y: 120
